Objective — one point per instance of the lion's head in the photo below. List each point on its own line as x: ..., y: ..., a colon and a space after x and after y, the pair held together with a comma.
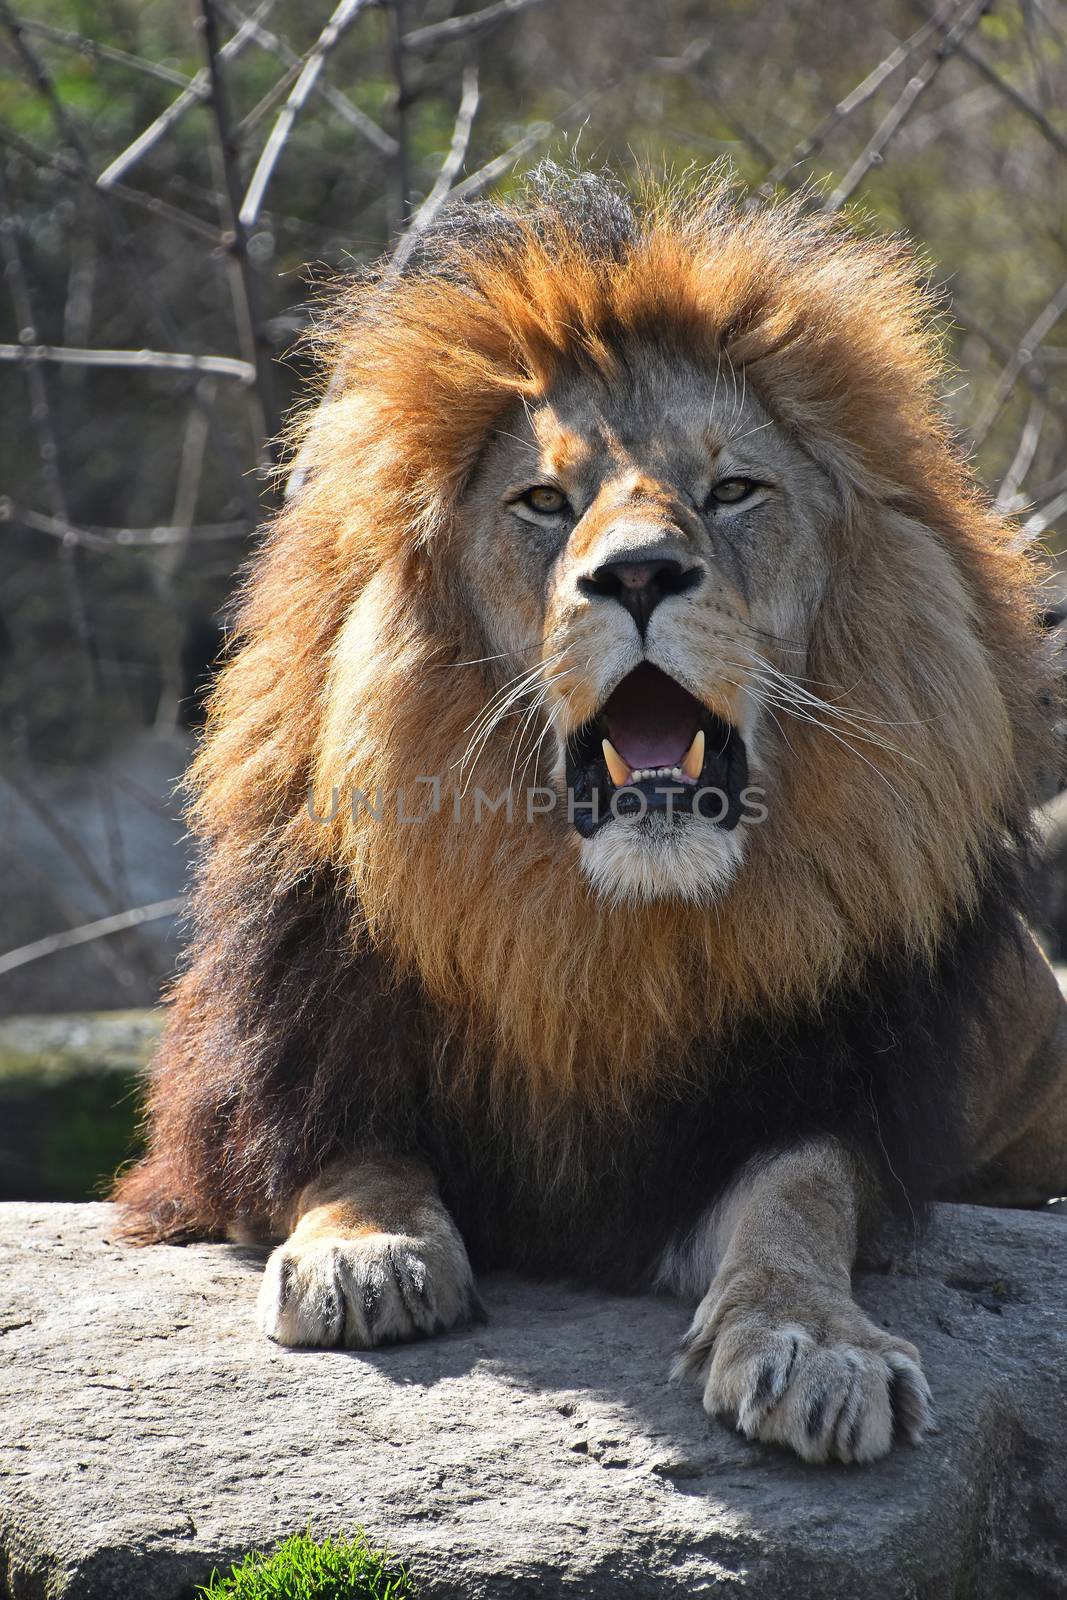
x: 646, y: 514
x: 648, y: 547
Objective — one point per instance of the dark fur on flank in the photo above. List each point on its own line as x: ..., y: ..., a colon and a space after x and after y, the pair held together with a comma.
x: 296, y: 1054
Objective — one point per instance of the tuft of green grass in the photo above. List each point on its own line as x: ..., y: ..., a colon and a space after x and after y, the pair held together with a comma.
x: 303, y: 1568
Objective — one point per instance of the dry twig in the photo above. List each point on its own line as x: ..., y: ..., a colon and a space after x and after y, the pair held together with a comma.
x: 143, y: 360
x: 122, y: 243
x: 196, y: 90
x: 1019, y: 361
x: 450, y: 168
x: 1018, y: 99
x: 121, y: 540
x: 421, y: 41
x: 813, y: 142
x: 891, y: 124
x: 343, y: 16
x: 119, y: 923
x: 397, y: 57
x: 44, y: 427
x: 277, y: 46
x: 102, y: 52
x: 246, y: 298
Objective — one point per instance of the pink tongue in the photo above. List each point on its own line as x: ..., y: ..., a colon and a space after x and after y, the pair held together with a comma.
x: 650, y: 718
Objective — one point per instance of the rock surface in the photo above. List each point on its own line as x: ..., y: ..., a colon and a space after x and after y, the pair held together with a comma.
x: 149, y: 1434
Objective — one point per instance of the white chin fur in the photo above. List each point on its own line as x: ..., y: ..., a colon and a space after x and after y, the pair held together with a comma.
x: 653, y: 859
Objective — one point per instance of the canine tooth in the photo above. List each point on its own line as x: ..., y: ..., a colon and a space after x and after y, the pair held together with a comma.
x: 618, y: 771
x: 693, y: 760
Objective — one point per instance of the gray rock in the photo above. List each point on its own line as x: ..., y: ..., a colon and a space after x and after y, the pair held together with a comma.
x: 150, y: 1434
x: 69, y: 833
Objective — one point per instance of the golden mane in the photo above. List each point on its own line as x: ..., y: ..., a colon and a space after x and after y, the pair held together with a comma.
x: 351, y: 633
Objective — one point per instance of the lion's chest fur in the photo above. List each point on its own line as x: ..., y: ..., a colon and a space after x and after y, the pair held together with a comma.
x: 562, y: 1188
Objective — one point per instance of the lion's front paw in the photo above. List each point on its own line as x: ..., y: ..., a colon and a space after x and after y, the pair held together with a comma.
x: 831, y: 1386
x: 372, y: 1289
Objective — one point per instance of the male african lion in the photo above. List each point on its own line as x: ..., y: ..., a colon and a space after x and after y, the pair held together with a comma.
x: 643, y: 514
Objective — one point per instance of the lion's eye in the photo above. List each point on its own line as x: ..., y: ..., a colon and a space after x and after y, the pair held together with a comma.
x: 732, y: 490
x: 545, y: 500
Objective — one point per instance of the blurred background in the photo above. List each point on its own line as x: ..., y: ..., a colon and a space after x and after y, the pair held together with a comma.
x: 178, y: 181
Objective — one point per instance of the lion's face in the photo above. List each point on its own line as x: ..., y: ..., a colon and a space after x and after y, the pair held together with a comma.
x: 643, y: 559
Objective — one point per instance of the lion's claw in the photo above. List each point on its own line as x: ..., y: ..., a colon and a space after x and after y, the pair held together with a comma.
x: 360, y: 1292
x: 834, y: 1392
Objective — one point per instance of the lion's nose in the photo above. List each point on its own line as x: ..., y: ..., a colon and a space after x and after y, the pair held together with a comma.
x: 640, y: 585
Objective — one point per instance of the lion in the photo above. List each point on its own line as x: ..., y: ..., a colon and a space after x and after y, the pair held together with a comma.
x: 614, y: 809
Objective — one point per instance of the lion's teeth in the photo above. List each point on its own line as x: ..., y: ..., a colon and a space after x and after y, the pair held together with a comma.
x: 693, y: 760
x: 618, y: 771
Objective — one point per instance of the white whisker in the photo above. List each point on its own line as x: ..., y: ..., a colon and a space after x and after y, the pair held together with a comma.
x: 506, y: 702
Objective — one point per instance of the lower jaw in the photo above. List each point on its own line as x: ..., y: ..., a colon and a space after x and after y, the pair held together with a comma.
x: 656, y: 861
x: 717, y: 805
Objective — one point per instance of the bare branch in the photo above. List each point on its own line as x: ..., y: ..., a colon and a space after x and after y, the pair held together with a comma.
x: 168, y: 563
x: 72, y: 171
x: 196, y: 90
x: 275, y: 45
x: 77, y: 327
x: 250, y: 329
x: 1052, y: 487
x: 1019, y: 361
x: 422, y: 41
x: 102, y: 52
x: 1030, y: 373
x: 167, y: 360
x: 894, y: 120
x: 1039, y: 521
x: 155, y: 313
x: 486, y: 176
x: 343, y: 16
x: 450, y: 167
x: 1023, y: 459
x: 119, y: 923
x: 40, y: 407
x: 1018, y: 99
x: 814, y: 141
x: 687, y: 66
x: 72, y: 915
x: 397, y: 56
x: 41, y: 417
x: 76, y: 854
x: 120, y: 539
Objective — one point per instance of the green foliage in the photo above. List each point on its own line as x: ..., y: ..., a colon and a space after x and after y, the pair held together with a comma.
x: 69, y: 1096
x: 303, y: 1568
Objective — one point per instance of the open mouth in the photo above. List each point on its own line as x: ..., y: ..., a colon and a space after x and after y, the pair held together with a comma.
x: 653, y: 746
